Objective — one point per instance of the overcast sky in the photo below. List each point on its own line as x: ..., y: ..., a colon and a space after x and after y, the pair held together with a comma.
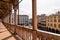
x: 43, y: 7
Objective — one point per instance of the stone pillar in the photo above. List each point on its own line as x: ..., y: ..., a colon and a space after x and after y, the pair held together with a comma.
x: 15, y: 10
x: 15, y: 17
x: 34, y: 16
x: 34, y: 20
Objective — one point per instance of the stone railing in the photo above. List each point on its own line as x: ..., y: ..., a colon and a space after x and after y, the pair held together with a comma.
x: 26, y: 33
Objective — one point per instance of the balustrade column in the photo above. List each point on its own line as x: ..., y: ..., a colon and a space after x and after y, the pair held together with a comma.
x: 34, y: 20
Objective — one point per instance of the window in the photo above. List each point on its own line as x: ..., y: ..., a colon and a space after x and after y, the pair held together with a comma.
x: 54, y: 18
x: 48, y: 24
x: 58, y: 20
x: 50, y: 19
x: 54, y: 25
x: 51, y: 24
x: 59, y: 25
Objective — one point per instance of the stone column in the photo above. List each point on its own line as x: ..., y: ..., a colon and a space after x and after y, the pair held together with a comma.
x: 15, y: 10
x: 34, y: 20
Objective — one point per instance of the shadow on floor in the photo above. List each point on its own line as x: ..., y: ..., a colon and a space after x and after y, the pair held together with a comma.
x: 2, y: 28
x: 16, y: 38
x: 3, y: 31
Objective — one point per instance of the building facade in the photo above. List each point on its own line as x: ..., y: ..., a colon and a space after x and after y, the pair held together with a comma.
x: 23, y: 20
x: 41, y: 20
x: 53, y: 21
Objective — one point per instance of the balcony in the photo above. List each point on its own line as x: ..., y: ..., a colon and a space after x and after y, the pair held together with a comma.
x: 13, y: 32
x: 9, y: 31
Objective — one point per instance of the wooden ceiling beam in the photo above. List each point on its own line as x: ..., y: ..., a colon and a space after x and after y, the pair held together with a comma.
x: 5, y: 1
